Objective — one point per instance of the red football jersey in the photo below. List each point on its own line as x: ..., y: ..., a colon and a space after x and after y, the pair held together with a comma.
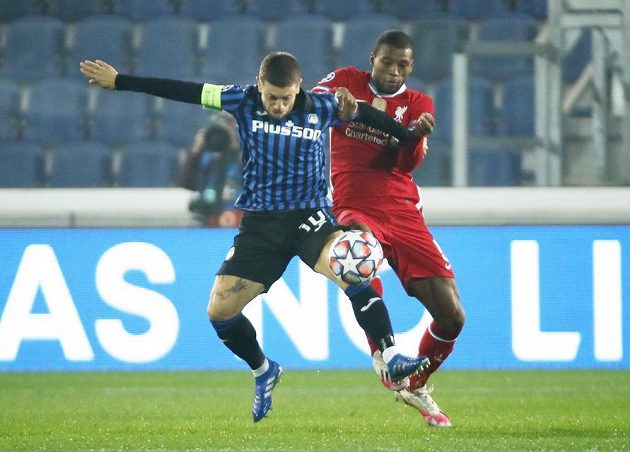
x: 364, y: 168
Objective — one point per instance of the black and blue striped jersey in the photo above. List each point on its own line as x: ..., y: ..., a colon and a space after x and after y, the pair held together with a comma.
x: 283, y: 159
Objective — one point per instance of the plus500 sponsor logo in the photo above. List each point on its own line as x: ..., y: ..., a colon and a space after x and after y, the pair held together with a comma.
x: 286, y: 130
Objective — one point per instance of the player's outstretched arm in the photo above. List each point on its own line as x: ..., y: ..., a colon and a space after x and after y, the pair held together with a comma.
x: 100, y: 73
x: 382, y: 121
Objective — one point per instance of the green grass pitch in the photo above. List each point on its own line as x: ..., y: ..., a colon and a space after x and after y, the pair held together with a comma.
x: 328, y: 410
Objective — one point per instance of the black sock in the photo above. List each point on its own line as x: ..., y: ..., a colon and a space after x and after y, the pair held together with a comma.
x: 371, y: 314
x: 238, y: 334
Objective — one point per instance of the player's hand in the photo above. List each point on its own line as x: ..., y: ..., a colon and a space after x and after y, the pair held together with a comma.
x: 422, y: 126
x: 347, y: 104
x: 99, y: 73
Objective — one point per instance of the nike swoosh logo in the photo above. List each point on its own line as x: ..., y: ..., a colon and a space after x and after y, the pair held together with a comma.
x: 371, y: 301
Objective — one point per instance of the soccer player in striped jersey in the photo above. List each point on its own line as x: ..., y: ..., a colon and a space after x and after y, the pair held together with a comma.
x: 286, y: 209
x: 390, y: 206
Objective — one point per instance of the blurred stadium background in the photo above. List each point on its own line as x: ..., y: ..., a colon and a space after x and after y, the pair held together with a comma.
x: 529, y: 165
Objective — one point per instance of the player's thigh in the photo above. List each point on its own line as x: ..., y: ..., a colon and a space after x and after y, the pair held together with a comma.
x: 230, y: 294
x: 258, y: 253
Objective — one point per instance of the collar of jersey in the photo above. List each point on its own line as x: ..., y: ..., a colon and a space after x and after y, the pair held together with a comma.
x: 379, y: 94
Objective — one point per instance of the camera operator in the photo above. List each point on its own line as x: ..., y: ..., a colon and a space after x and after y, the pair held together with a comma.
x: 212, y: 168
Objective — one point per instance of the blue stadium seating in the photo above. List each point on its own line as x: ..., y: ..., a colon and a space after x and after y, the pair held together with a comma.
x: 341, y: 11
x: 435, y: 40
x: 413, y: 9
x: 56, y: 111
x: 121, y: 117
x: 74, y: 10
x: 515, y: 27
x: 436, y: 168
x: 179, y: 122
x: 480, y: 109
x: 273, y: 10
x: 21, y: 163
x: 494, y: 167
x: 516, y: 115
x: 535, y: 8
x: 314, y: 54
x: 416, y: 83
x: 103, y: 37
x: 148, y: 164
x: 209, y: 10
x: 221, y: 62
x: 359, y: 37
x: 174, y: 57
x: 10, y: 98
x: 140, y: 10
x: 34, y: 48
x: 478, y: 9
x: 12, y: 9
x: 81, y: 164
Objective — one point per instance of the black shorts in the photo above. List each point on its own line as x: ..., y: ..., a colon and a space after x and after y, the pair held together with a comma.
x: 267, y: 241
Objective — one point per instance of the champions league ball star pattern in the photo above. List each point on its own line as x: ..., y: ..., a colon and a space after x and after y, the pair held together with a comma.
x: 355, y: 256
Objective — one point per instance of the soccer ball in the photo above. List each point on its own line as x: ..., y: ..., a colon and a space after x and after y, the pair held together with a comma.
x: 355, y: 256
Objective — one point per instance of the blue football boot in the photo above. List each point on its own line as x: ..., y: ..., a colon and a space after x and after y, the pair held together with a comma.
x: 402, y: 366
x: 264, y: 387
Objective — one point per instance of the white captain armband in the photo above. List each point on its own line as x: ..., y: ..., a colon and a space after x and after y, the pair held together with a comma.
x: 211, y: 96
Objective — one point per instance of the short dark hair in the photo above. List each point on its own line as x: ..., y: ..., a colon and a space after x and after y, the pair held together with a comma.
x: 395, y: 38
x: 280, y: 69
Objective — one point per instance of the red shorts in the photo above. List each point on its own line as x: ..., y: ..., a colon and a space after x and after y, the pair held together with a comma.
x: 409, y: 247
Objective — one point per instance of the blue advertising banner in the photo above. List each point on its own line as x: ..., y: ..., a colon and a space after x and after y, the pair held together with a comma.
x: 101, y: 299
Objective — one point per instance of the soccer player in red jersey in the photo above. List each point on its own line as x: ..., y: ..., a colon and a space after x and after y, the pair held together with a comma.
x: 390, y: 205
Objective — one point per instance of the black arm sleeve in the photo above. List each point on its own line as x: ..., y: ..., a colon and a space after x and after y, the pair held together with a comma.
x: 169, y: 89
x: 381, y: 121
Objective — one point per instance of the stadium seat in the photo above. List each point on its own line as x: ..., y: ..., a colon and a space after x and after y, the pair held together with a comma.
x: 21, y: 163
x: 10, y: 98
x: 359, y: 37
x: 140, y: 10
x: 175, y: 57
x: 148, y: 164
x: 535, y: 8
x: 436, y: 168
x: 13, y: 9
x: 179, y: 122
x: 480, y: 109
x: 273, y: 10
x: 515, y: 27
x: 56, y: 111
x: 81, y: 164
x: 341, y: 11
x: 104, y: 37
x: 34, y: 47
x: 478, y: 9
x: 494, y: 167
x: 416, y: 83
x: 209, y: 10
x: 315, y: 54
x: 435, y: 40
x: 221, y: 63
x: 516, y: 115
x: 413, y: 9
x: 121, y: 118
x: 74, y: 10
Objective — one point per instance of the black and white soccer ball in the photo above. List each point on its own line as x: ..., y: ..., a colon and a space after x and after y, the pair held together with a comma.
x: 355, y: 256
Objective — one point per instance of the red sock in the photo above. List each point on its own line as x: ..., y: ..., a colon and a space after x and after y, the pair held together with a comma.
x: 436, y: 344
x: 377, y: 285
